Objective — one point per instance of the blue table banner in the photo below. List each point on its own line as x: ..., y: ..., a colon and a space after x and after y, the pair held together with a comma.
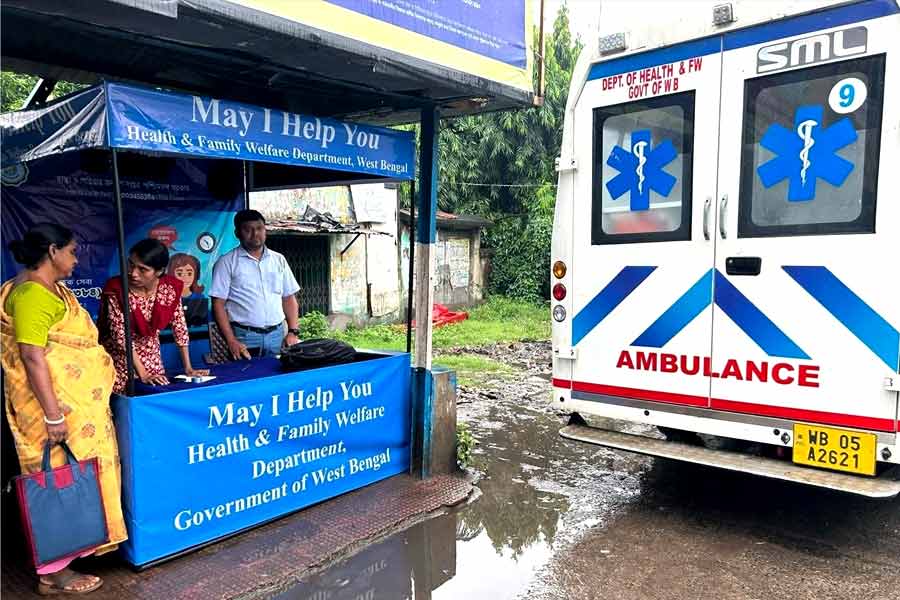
x: 199, y: 464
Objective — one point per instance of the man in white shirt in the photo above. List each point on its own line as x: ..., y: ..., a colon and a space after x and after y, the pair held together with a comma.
x: 253, y: 293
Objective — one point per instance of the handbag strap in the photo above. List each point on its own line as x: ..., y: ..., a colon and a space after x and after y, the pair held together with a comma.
x: 45, y: 464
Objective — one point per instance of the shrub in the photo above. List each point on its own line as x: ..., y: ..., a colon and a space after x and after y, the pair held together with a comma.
x: 520, y: 267
x: 464, y: 444
x: 313, y: 325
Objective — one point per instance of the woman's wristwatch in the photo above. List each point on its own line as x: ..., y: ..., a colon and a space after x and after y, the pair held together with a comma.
x: 295, y: 331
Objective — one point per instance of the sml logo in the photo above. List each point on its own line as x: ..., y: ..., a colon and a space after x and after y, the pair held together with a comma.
x: 807, y: 153
x: 641, y: 170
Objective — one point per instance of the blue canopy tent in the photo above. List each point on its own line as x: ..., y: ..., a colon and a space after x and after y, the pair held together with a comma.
x: 347, y: 59
x: 268, y: 53
x: 277, y: 148
x: 127, y: 117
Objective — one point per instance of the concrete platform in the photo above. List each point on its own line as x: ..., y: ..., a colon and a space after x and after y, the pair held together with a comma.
x: 264, y: 561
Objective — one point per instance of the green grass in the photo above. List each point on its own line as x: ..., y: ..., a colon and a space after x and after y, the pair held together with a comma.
x: 497, y: 320
x: 472, y: 369
x: 377, y: 337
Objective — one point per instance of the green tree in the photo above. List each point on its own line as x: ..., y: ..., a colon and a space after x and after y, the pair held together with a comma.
x: 15, y: 87
x: 501, y: 166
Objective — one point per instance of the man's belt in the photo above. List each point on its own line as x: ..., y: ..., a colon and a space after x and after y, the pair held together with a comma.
x: 261, y: 330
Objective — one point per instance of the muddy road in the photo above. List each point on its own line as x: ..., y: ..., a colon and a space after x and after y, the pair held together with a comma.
x: 557, y: 520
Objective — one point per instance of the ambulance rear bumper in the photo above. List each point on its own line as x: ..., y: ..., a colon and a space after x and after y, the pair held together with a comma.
x: 759, y: 428
x: 885, y: 486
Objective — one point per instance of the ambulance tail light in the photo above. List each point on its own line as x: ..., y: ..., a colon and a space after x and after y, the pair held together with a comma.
x: 559, y: 292
x: 559, y: 313
x: 559, y: 269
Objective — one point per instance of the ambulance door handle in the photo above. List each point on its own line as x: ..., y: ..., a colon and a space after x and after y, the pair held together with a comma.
x: 706, y: 206
x: 723, y: 204
x: 743, y: 265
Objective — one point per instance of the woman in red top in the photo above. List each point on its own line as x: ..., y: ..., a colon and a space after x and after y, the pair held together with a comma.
x: 155, y: 303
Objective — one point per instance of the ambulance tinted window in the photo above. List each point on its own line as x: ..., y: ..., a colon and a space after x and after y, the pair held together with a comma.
x: 809, y: 162
x: 642, y: 170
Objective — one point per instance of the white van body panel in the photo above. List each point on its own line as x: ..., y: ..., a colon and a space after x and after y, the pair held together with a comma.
x: 724, y: 275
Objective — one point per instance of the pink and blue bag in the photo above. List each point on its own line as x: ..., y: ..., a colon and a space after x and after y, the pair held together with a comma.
x: 62, y: 508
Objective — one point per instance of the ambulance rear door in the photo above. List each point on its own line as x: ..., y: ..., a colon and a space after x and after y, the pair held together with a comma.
x: 806, y: 304
x: 642, y: 234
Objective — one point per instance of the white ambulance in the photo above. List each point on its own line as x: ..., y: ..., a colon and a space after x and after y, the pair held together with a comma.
x: 727, y: 237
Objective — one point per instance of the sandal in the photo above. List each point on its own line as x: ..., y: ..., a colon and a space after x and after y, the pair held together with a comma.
x: 67, y: 584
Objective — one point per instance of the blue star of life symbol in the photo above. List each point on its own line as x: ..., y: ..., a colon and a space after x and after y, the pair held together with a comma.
x: 641, y: 170
x: 806, y: 153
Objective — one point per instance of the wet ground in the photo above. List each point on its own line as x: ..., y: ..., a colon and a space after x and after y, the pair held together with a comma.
x: 560, y: 520
x: 555, y: 520
x: 270, y: 561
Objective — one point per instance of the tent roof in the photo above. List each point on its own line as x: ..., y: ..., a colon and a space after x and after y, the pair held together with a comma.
x: 284, y: 146
x: 220, y: 49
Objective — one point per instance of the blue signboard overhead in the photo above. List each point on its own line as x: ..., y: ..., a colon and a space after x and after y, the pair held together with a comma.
x: 128, y: 117
x: 492, y: 29
x: 455, y: 40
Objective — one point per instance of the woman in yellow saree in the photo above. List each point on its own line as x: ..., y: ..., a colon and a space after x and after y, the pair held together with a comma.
x: 57, y: 382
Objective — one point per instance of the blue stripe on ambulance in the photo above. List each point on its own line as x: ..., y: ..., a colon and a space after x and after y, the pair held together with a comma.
x: 852, y: 311
x: 676, y: 317
x: 753, y: 322
x: 625, y: 282
x: 731, y: 40
x: 825, y: 19
x: 733, y: 303
x: 685, y: 309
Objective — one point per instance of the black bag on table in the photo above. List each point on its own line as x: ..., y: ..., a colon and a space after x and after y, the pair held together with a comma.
x: 311, y: 354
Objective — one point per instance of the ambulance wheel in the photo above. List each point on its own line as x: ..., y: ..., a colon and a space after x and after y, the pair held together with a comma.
x: 681, y: 436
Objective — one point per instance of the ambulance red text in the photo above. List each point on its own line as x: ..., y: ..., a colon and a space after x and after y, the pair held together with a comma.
x: 781, y: 373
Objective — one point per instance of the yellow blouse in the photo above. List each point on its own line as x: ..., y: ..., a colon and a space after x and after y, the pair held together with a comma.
x: 34, y: 310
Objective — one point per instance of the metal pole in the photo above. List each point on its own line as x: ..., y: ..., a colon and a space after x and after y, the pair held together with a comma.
x: 123, y: 262
x: 541, y: 56
x: 426, y: 235
x: 423, y: 395
x: 39, y: 93
x: 412, y: 256
x: 246, y: 184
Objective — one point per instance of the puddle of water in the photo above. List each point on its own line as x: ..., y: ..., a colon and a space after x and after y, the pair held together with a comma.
x: 484, y: 571
x: 408, y: 565
x: 539, y: 494
x: 439, y: 559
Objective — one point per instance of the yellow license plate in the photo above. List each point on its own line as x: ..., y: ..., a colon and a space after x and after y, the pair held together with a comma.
x: 837, y: 449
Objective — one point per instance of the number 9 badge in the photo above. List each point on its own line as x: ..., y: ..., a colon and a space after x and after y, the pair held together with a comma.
x: 847, y: 95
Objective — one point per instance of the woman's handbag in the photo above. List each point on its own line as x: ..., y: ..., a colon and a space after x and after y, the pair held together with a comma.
x: 62, y: 508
